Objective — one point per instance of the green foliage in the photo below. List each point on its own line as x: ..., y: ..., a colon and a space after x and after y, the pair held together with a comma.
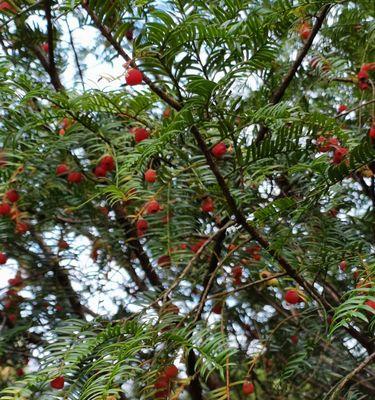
x: 109, y: 305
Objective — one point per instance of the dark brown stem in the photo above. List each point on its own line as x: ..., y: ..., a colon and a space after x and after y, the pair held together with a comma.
x: 51, y: 64
x: 117, y: 46
x: 61, y: 275
x: 135, y: 245
x: 280, y: 91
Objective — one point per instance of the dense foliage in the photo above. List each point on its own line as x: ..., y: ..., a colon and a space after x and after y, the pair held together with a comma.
x: 210, y: 209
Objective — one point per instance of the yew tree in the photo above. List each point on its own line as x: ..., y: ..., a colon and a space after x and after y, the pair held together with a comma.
x: 200, y: 225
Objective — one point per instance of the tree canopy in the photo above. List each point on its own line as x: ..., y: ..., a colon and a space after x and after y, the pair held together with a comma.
x: 200, y: 225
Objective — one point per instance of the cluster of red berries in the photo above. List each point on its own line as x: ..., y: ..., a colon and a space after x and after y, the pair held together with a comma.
x: 72, y: 176
x: 106, y: 164
x: 326, y: 145
x: 363, y: 76
x: 254, y: 252
x: 12, y: 299
x: 163, y: 382
x: 66, y: 123
x: 12, y: 196
x: 237, y: 275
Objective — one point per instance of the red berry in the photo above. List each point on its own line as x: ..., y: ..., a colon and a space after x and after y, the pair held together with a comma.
x: 368, y: 67
x: 304, y: 30
x: 171, y: 371
x: 4, y: 209
x: 219, y: 150
x: 12, y: 195
x: 142, y: 226
x: 5, y: 6
x: 16, y: 281
x: 164, y: 261
x: 363, y: 85
x: 133, y: 77
x: 167, y: 113
x: 362, y: 75
x: 294, y: 339
x: 108, y: 163
x: 75, y: 177
x: 45, y: 47
x: 207, y: 205
x: 129, y: 34
x: 195, y: 248
x: 293, y: 297
x: 150, y: 176
x: 247, y: 388
x: 104, y: 210
x: 371, y: 304
x: 339, y: 155
x: 20, y: 372
x: 62, y: 169
x: 371, y: 132
x: 3, y: 258
x: 217, y: 308
x: 12, y: 318
x: 343, y: 265
x: 237, y: 271
x: 63, y: 244
x: 57, y: 383
x: 100, y: 172
x: 141, y: 134
x: 153, y: 207
x: 162, y: 394
x: 22, y: 227
x: 342, y: 108
x: 161, y: 383
x: 237, y: 281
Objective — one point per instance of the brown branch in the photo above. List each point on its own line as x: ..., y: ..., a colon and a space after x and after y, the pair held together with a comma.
x: 240, y: 217
x: 61, y: 275
x: 117, y: 46
x: 135, y: 245
x: 348, y: 377
x: 75, y: 54
x: 355, y: 108
x: 280, y: 91
x: 55, y: 79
